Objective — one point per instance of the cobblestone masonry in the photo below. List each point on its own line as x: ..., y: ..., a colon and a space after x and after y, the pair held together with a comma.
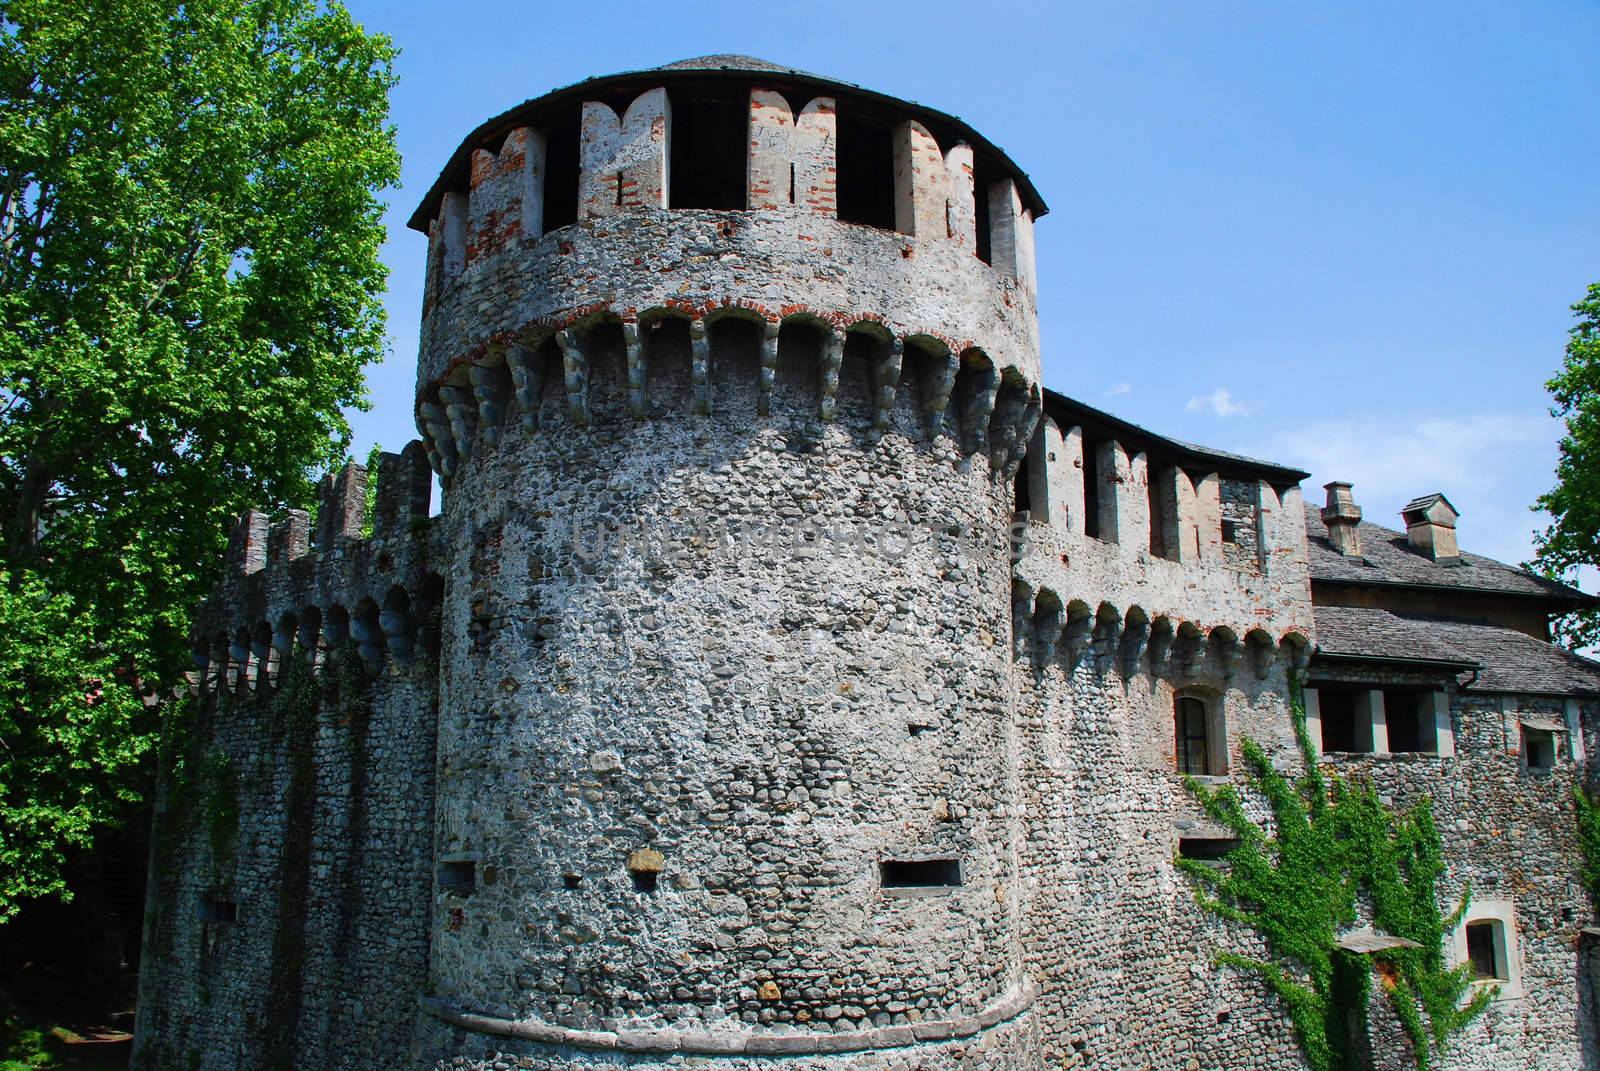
x: 759, y: 695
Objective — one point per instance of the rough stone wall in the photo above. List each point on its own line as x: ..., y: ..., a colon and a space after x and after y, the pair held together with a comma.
x: 1237, y: 500
x: 1120, y: 951
x: 777, y: 264
x: 772, y: 650
x: 329, y: 871
x: 1011, y: 1046
x: 1509, y: 834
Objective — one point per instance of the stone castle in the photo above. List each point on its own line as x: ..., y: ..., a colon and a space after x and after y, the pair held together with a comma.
x: 789, y: 678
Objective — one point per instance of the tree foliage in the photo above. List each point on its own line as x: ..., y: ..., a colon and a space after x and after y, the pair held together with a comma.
x: 189, y: 281
x: 1573, y: 538
x: 1330, y: 848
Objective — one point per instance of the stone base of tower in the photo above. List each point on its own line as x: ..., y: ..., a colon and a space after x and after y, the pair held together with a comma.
x: 1008, y: 1045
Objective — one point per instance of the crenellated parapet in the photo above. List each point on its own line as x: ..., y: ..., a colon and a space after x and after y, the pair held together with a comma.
x: 304, y: 587
x: 770, y: 191
x: 1150, y: 552
x: 763, y: 140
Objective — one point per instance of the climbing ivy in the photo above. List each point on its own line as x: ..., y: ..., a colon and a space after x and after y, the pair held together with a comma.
x: 1588, y: 810
x: 1300, y: 880
x: 221, y: 806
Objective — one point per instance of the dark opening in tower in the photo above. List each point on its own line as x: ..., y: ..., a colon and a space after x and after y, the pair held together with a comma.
x: 561, y: 172
x: 865, y: 172
x: 709, y: 147
x: 1091, y: 487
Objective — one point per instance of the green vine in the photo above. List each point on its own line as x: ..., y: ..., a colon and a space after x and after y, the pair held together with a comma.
x: 220, y: 806
x: 1332, y: 845
x: 1588, y: 812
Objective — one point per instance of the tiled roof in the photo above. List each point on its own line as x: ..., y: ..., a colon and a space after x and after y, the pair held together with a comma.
x: 1387, y: 559
x: 1506, y: 660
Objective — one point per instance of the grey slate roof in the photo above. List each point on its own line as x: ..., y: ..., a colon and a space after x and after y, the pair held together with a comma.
x: 1506, y: 660
x: 1387, y: 559
x: 1069, y: 412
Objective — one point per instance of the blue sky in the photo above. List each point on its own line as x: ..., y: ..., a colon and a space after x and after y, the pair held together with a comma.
x: 1338, y: 235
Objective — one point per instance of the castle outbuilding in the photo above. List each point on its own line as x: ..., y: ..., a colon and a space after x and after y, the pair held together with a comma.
x: 788, y: 677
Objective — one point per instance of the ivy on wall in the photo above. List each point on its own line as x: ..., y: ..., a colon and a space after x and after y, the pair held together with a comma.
x: 221, y: 806
x: 1332, y: 849
x: 1588, y: 811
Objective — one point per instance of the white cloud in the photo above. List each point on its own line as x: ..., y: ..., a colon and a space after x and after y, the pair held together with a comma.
x: 1120, y: 388
x: 1490, y: 465
x: 1220, y: 402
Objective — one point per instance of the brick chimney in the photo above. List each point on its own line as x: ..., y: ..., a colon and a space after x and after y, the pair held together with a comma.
x: 1343, y: 518
x: 1431, y: 528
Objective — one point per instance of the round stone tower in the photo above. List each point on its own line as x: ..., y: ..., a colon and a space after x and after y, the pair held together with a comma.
x: 727, y: 370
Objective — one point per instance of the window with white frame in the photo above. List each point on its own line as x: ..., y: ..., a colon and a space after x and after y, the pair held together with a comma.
x: 1486, y: 942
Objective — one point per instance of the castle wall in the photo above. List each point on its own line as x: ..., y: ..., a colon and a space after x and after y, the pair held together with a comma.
x: 301, y: 938
x: 696, y: 261
x: 753, y: 658
x: 780, y: 682
x: 1120, y: 950
x: 1109, y: 630
x: 1508, y: 834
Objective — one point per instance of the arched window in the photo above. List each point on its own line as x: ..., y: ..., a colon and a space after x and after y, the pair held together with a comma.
x: 1197, y: 728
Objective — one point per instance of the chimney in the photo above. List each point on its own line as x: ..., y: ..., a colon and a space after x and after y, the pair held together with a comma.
x: 1343, y: 518
x: 1431, y: 528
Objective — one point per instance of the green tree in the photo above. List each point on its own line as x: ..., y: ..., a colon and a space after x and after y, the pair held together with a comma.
x: 1301, y: 879
x: 1573, y: 538
x: 189, y: 281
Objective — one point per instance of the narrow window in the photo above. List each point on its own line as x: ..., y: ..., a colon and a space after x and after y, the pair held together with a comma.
x: 791, y: 184
x: 983, y: 177
x: 214, y: 910
x: 1193, y: 738
x: 1486, y: 950
x: 644, y: 868
x: 619, y: 187
x: 708, y: 151
x: 865, y: 176
x: 1206, y: 849
x: 1158, y: 515
x: 458, y: 877
x: 561, y: 173
x: 1022, y: 486
x: 1539, y: 747
x: 1091, y: 488
x: 919, y: 873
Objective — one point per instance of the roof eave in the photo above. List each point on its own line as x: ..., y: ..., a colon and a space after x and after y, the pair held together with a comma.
x: 1577, y: 601
x: 1224, y: 462
x: 1455, y: 665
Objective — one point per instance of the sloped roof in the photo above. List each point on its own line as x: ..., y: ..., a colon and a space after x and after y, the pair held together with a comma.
x: 1389, y: 560
x: 1069, y: 412
x: 1425, y: 501
x: 1505, y: 660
